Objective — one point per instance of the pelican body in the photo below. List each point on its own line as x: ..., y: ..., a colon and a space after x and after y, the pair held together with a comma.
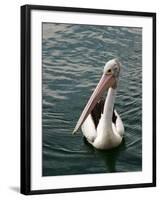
x: 99, y: 121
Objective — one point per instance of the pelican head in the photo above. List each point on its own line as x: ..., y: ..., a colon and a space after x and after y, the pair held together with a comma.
x: 109, y: 79
x: 112, y: 68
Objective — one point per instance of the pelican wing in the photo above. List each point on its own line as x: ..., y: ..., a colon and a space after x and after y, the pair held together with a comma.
x: 89, y: 130
x: 119, y: 124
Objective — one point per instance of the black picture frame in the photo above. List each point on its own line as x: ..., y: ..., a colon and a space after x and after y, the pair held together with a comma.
x: 25, y: 185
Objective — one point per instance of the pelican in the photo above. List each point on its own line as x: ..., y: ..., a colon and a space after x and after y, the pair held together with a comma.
x: 100, y: 123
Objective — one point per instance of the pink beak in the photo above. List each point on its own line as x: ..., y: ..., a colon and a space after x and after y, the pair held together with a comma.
x: 105, y: 82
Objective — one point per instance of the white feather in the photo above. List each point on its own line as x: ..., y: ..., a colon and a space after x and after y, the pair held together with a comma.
x: 89, y: 130
x: 107, y: 135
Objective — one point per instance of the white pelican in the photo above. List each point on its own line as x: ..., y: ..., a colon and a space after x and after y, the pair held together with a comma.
x: 99, y: 121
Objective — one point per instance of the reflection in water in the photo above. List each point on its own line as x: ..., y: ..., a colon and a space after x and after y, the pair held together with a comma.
x: 108, y: 156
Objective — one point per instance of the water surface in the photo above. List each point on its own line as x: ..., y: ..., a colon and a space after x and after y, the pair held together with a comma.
x: 73, y: 61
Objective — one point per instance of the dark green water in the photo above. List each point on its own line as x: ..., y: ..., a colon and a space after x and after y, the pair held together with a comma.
x: 73, y: 61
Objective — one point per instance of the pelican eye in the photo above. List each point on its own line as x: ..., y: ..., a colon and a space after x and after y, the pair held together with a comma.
x: 109, y: 71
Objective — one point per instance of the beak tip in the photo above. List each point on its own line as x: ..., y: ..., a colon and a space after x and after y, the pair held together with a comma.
x: 76, y: 128
x: 74, y: 131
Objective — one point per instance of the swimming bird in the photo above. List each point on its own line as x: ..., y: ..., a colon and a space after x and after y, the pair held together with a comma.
x: 100, y: 123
